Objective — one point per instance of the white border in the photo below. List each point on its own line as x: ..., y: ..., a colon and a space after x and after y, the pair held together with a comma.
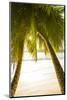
x: 4, y: 49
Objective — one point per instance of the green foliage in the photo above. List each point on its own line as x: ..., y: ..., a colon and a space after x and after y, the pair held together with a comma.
x: 51, y: 25
x: 29, y: 19
x: 31, y: 40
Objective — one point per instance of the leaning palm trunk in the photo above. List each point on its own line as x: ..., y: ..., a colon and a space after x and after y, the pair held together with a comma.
x: 58, y: 68
x: 15, y: 80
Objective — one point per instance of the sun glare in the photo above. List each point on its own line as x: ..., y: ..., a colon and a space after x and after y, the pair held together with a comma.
x: 38, y: 78
x: 30, y: 38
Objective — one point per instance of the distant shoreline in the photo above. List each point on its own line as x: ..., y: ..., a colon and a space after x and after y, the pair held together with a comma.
x: 43, y: 51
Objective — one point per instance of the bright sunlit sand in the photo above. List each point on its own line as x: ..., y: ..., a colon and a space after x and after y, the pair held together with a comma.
x: 38, y: 78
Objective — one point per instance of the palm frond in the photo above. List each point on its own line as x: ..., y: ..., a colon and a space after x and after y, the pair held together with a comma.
x: 28, y: 19
x: 31, y: 40
x: 51, y: 26
x: 20, y: 23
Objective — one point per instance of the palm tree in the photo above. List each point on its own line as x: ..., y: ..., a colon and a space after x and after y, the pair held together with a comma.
x: 32, y: 23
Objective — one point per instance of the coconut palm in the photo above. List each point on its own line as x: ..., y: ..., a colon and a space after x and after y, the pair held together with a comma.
x: 36, y: 24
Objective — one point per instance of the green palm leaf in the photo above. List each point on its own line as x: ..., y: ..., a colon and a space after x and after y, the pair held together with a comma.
x: 35, y: 24
x: 51, y: 26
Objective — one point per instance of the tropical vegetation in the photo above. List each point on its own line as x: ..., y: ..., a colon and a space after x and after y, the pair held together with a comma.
x: 33, y: 24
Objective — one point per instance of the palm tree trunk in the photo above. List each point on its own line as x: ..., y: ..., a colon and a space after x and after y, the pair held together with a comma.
x: 58, y: 68
x: 15, y: 80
